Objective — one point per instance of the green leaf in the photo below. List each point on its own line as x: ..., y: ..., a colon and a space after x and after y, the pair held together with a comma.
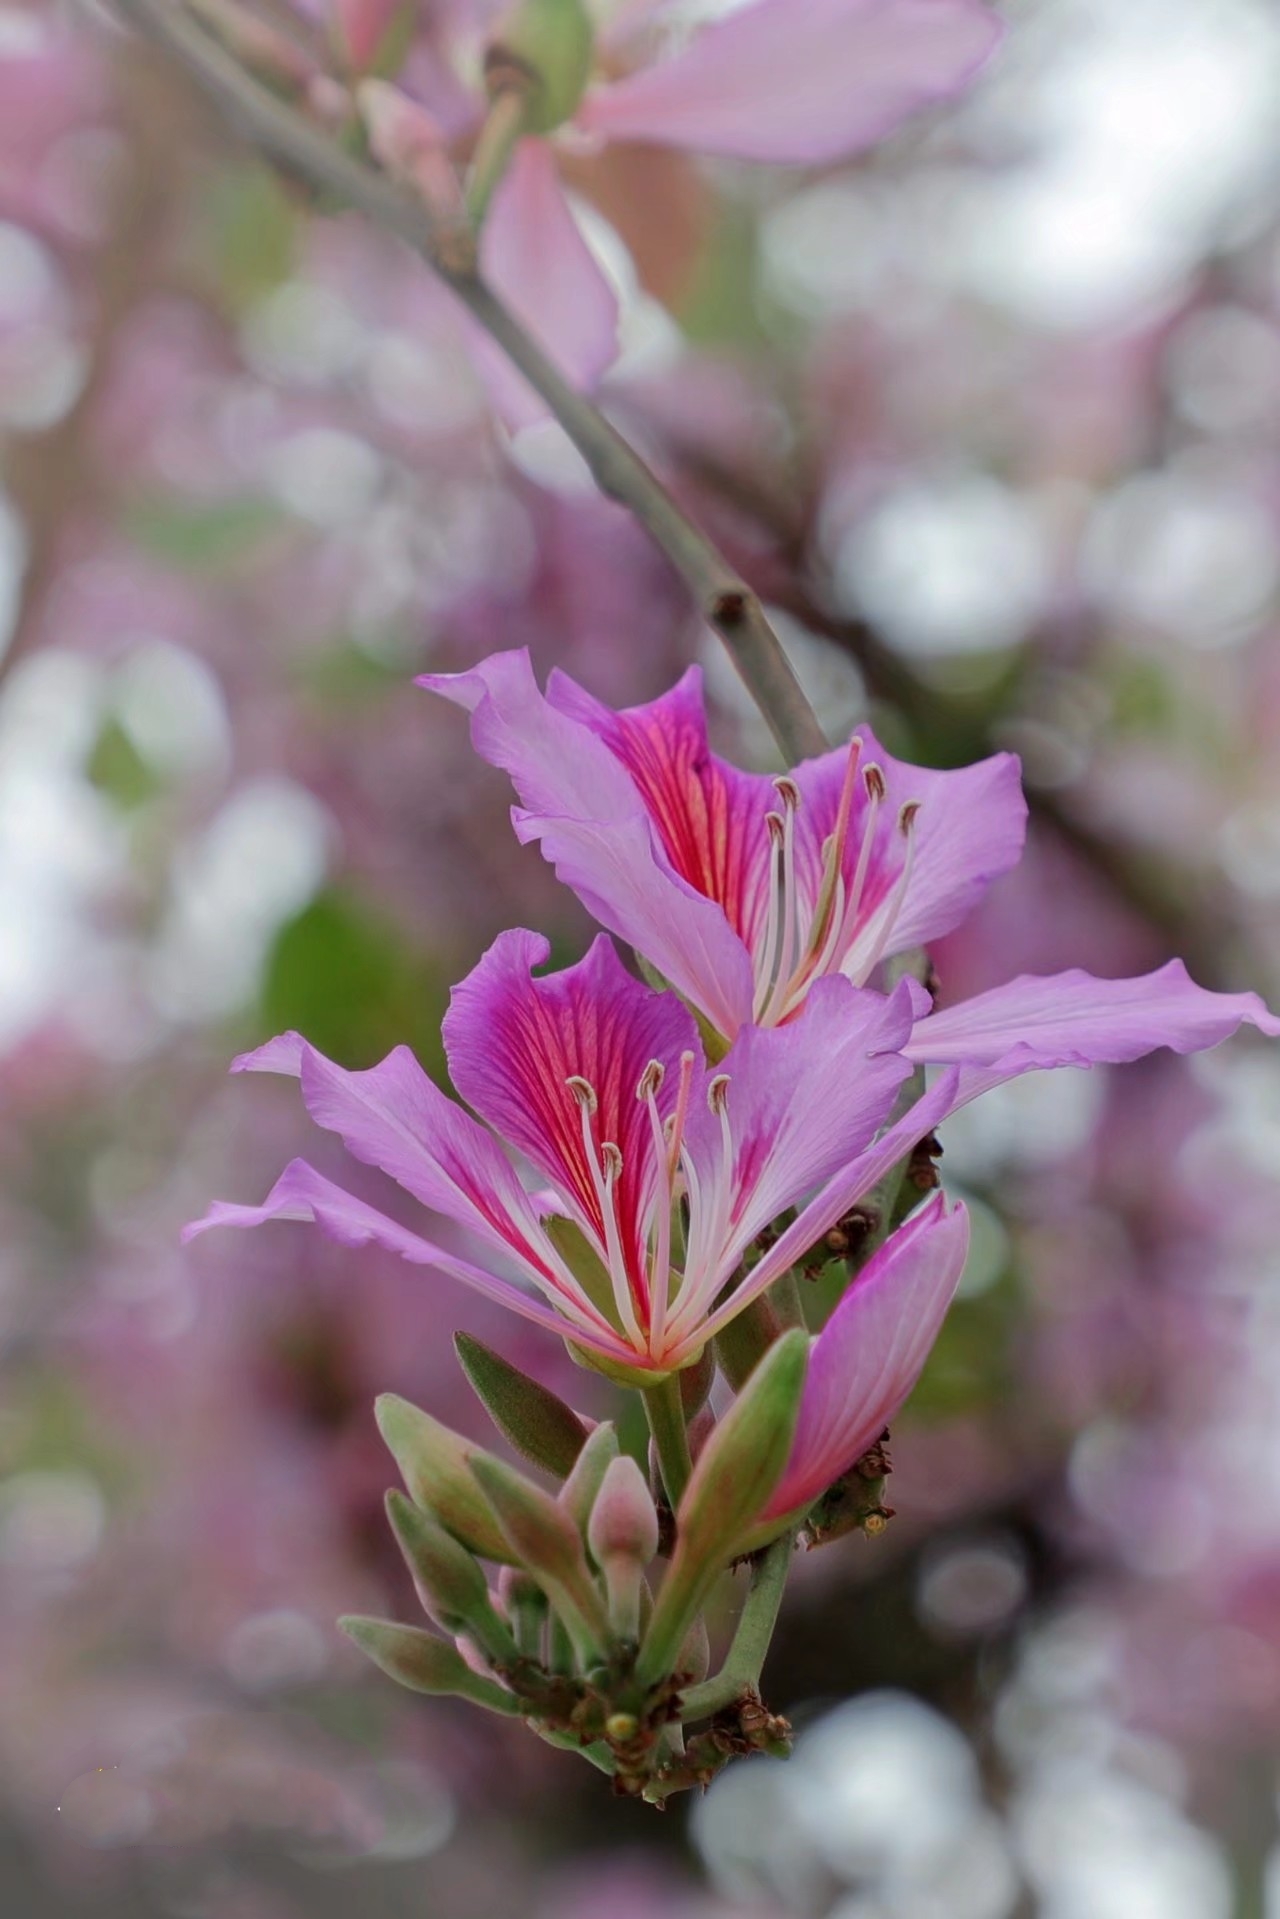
x: 527, y: 1414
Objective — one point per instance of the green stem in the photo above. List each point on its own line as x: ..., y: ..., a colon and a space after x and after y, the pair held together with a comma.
x: 503, y: 126
x: 664, y: 1409
x: 723, y: 597
x: 746, y: 1655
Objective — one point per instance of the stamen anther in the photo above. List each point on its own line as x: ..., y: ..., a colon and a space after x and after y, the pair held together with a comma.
x: 874, y: 781
x: 777, y: 827
x: 583, y: 1091
x: 907, y: 817
x: 718, y: 1093
x: 650, y: 1080
x: 787, y: 791
x: 611, y: 1161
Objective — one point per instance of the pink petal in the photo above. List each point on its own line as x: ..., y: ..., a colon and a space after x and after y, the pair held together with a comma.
x: 871, y: 1352
x: 799, y: 81
x: 533, y: 254
x: 301, y: 1193
x: 395, y: 1118
x: 513, y: 1042
x: 803, y: 1101
x: 845, y: 1188
x: 709, y: 816
x: 580, y: 801
x: 1095, y: 1020
x: 968, y: 829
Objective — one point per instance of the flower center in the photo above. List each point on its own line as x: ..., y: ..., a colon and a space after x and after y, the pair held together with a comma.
x: 803, y: 939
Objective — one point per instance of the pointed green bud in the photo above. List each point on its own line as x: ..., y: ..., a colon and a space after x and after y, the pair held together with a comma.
x: 549, y: 44
x: 737, y: 1470
x: 424, y: 1663
x: 435, y: 1466
x: 578, y: 1494
x: 451, y: 1586
x: 623, y: 1536
x: 544, y: 1537
x: 526, y: 1608
x: 537, y: 1423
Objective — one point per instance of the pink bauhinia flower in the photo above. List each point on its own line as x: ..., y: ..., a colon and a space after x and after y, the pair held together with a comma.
x: 600, y: 1083
x: 794, y: 82
x: 746, y: 892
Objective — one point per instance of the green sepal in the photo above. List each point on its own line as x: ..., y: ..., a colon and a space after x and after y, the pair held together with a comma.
x: 528, y: 1415
x: 545, y: 1539
x: 424, y: 1663
x: 553, y: 42
x: 736, y: 1472
x: 451, y: 1586
x: 583, y: 1262
x: 435, y: 1466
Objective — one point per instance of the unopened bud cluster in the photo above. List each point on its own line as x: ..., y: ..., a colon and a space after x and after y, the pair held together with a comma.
x: 554, y: 1605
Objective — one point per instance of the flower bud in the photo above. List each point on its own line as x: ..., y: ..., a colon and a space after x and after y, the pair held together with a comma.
x: 424, y: 1663
x: 544, y: 1538
x: 623, y: 1536
x: 526, y: 1607
x: 578, y: 1494
x: 451, y: 1586
x: 434, y: 1464
x: 372, y: 36
x: 547, y: 45
x: 739, y: 1467
x: 527, y: 1414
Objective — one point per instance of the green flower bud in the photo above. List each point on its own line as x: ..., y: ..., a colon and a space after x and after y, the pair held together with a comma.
x: 578, y: 1494
x: 451, y: 1586
x: 435, y: 1466
x: 549, y: 43
x: 545, y: 1539
x: 424, y: 1663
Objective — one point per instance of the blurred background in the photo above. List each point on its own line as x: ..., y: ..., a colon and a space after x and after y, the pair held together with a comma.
x: 990, y: 417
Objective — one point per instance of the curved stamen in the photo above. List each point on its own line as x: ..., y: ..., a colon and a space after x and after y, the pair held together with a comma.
x: 709, y: 1211
x: 789, y: 904
x: 769, y: 945
x: 660, y: 1256
x: 827, y: 905
x: 676, y: 1124
x: 604, y: 1178
x: 860, y: 969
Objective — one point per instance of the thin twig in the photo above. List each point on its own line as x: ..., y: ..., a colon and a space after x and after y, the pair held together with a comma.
x: 724, y: 599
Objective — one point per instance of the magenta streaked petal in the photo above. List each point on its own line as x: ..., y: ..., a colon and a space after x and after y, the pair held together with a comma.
x: 301, y: 1193
x: 533, y: 254
x: 394, y: 1117
x: 578, y: 799
x: 513, y: 1041
x: 709, y: 816
x: 799, y: 81
x: 1096, y: 1021
x: 871, y: 1352
x: 803, y: 1101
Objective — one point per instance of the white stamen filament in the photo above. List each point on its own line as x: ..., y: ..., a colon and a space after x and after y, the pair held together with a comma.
x: 861, y: 966
x: 708, y: 1224
x: 789, y: 906
x: 603, y: 1180
x: 768, y: 951
x: 664, y: 1199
